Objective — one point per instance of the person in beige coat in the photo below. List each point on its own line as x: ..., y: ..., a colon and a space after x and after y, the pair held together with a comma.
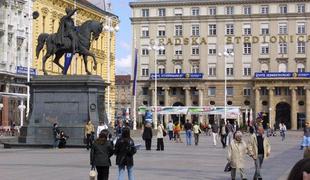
x: 237, y: 151
x: 259, y: 149
x: 89, y: 131
x: 160, y: 137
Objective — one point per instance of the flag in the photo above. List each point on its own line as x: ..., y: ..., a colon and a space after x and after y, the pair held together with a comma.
x: 135, y: 73
x: 68, y: 59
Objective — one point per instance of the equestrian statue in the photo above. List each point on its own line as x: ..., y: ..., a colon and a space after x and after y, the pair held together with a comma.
x: 70, y: 39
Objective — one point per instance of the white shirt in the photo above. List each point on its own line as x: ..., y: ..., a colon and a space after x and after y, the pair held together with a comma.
x: 100, y: 128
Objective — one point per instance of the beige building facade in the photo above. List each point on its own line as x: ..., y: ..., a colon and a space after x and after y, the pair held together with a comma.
x: 261, y: 47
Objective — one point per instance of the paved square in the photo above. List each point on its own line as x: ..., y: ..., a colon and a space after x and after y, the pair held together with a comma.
x: 177, y: 162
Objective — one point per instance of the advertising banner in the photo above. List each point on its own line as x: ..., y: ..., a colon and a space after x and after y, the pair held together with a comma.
x: 177, y: 76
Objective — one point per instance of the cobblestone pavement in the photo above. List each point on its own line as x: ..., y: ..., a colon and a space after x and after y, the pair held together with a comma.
x: 177, y: 162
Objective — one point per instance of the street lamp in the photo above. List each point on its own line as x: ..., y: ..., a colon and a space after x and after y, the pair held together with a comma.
x: 156, y: 48
x: 226, y: 55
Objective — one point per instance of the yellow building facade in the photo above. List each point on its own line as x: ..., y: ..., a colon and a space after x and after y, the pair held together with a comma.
x: 48, y: 22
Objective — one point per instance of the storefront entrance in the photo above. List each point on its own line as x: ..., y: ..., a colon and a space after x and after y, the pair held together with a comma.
x: 283, y: 114
x: 178, y: 117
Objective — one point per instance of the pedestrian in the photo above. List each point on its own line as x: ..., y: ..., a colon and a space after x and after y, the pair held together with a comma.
x: 170, y: 127
x: 124, y: 150
x: 306, y: 138
x: 196, y: 131
x: 160, y: 137
x: 101, y: 127
x: 119, y: 128
x: 62, y: 140
x: 237, y: 151
x: 301, y: 170
x: 215, y: 131
x: 259, y: 149
x: 223, y: 133
x: 56, y: 135
x: 282, y: 128
x: 100, y: 154
x: 147, y: 136
x: 230, y: 133
x: 89, y: 131
x: 188, y: 132
x: 176, y: 131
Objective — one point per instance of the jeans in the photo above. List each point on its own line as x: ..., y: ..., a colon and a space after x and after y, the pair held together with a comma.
x: 121, y: 172
x: 229, y: 138
x: 103, y: 172
x: 258, y: 165
x: 56, y: 142
x: 196, y: 137
x: 305, y: 141
x: 214, y: 138
x: 170, y: 133
x: 189, y: 137
x: 282, y: 135
x: 223, y: 140
x: 234, y: 172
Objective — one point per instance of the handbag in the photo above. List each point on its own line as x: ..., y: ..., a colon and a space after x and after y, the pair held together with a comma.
x: 164, y: 133
x: 227, y: 167
x: 92, y: 174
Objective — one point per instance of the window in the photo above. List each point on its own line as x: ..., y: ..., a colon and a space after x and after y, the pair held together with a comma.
x: 229, y: 29
x: 247, y: 48
x: 145, y: 70
x: 300, y: 91
x: 230, y: 91
x: 145, y: 31
x: 212, y: 10
x: 178, y: 50
x: 229, y: 70
x: 195, y: 68
x: 229, y: 48
x: 195, y: 30
x: 247, y: 29
x: 145, y: 13
x: 282, y: 67
x: 301, y: 8
x: 282, y: 28
x: 247, y: 70
x: 247, y: 10
x: 300, y: 67
x: 211, y: 91
x: 145, y: 90
x: 161, y: 69
x: 287, y: 91
x: 195, y: 11
x: 145, y: 52
x: 212, y: 69
x: 178, y: 11
x: 195, y: 50
x: 161, y: 52
x: 264, y: 48
x: 301, y: 47
x: 161, y: 12
x: 229, y: 10
x: 277, y: 91
x: 301, y: 28
x: 247, y: 92
x: 264, y: 68
x: 282, y: 48
x: 178, y: 30
x: 178, y: 69
x: 263, y: 91
x: 212, y: 49
x: 212, y: 29
x: 174, y: 91
x: 264, y: 9
x: 283, y: 9
x: 161, y: 31
x: 264, y: 29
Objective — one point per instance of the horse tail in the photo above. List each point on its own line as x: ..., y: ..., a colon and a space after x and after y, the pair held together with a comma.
x: 41, y: 41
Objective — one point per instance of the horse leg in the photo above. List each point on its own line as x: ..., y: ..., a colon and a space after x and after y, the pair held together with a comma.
x: 85, y: 63
x: 86, y: 52
x: 44, y: 59
x: 56, y: 60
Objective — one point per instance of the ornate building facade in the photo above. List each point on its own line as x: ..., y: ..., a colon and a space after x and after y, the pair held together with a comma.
x: 260, y: 47
x: 123, y: 96
x: 48, y: 22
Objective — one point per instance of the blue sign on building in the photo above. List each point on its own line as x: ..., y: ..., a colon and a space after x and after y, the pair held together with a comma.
x: 24, y: 70
x: 282, y: 75
x: 177, y: 76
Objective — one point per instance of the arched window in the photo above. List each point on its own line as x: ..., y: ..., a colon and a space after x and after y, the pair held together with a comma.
x: 282, y: 67
x: 178, y: 69
x: 300, y: 67
x: 264, y: 68
x: 161, y: 69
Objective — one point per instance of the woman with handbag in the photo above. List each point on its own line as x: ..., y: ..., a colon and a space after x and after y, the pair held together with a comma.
x: 197, y: 131
x: 100, y: 154
x: 124, y: 150
x: 160, y: 137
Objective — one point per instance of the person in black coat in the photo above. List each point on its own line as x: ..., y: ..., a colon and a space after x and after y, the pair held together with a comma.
x: 124, y: 151
x: 147, y: 136
x: 100, y: 154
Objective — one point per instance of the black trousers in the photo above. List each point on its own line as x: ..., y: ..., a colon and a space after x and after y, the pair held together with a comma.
x: 160, y: 144
x: 223, y: 140
x: 89, y: 141
x: 103, y: 172
x: 170, y: 135
x: 148, y: 144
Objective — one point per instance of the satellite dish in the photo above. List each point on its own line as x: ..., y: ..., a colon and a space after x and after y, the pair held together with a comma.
x: 35, y: 14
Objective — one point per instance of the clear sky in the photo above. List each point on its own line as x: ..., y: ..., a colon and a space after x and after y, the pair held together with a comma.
x: 124, y: 35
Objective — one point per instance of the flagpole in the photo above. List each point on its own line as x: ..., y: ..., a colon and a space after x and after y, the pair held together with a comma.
x: 74, y: 56
x: 135, y: 78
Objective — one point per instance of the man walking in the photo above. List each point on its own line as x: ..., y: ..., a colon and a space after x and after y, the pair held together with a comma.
x: 215, y: 131
x: 223, y: 134
x: 170, y: 130
x: 188, y: 130
x: 259, y: 148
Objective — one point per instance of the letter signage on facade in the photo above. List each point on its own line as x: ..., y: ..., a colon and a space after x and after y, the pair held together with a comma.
x: 282, y: 75
x: 177, y: 76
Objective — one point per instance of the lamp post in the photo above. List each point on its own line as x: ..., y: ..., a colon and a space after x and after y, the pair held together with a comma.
x: 226, y: 55
x: 156, y: 48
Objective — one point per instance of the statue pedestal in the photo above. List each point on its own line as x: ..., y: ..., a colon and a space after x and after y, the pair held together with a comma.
x: 68, y: 100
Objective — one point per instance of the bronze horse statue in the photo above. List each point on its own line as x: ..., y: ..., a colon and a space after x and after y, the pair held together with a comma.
x: 88, y: 31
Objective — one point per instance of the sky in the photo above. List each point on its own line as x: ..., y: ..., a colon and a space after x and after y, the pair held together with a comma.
x: 124, y: 35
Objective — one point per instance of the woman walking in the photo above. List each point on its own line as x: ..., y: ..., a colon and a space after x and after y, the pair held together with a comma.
x: 197, y: 131
x: 100, y: 154
x: 160, y: 137
x: 124, y: 150
x: 282, y: 130
x: 147, y: 136
x: 177, y: 130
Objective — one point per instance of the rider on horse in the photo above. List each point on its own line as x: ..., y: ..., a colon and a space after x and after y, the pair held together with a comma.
x: 67, y: 29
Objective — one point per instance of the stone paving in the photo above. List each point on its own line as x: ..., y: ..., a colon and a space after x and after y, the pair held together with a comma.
x: 177, y: 162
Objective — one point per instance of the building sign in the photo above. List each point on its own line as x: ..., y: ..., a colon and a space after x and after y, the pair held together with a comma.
x: 24, y: 70
x: 177, y: 76
x: 282, y: 75
x: 267, y: 39
x: 180, y: 41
